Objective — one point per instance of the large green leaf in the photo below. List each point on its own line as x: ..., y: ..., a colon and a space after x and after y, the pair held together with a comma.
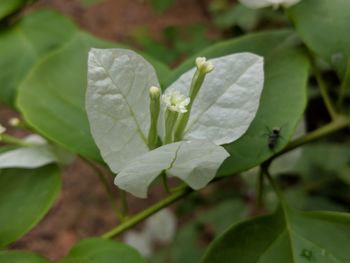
x: 324, y: 27
x: 61, y: 80
x: 102, y: 251
x: 283, y: 99
x: 25, y: 43
x: 286, y: 236
x: 21, y: 257
x: 7, y: 7
x: 25, y: 197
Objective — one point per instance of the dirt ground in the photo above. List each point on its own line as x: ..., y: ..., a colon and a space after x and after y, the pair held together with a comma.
x: 82, y: 209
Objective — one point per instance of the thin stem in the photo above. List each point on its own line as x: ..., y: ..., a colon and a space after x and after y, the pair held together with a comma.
x: 165, y: 183
x: 105, y: 184
x: 124, y: 204
x: 345, y: 85
x: 339, y: 123
x: 130, y: 222
x: 260, y: 189
x: 323, y: 88
x: 14, y: 140
x: 272, y: 182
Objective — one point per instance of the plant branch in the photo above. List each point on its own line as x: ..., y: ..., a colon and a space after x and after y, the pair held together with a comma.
x: 130, y: 222
x: 337, y: 124
x: 105, y: 184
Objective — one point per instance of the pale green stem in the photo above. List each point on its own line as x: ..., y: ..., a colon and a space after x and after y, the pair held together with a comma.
x: 106, y: 184
x: 14, y: 140
x: 130, y: 222
x: 196, y: 84
x: 170, y: 120
x: 153, y: 130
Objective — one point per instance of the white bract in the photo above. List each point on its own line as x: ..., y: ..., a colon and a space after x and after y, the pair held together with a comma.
x: 265, y: 3
x: 161, y: 226
x: 118, y: 107
x: 38, y: 153
x: 175, y: 101
x: 228, y: 99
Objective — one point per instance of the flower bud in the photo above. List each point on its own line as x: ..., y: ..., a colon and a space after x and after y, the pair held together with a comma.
x: 203, y: 65
x: 14, y: 122
x: 154, y: 93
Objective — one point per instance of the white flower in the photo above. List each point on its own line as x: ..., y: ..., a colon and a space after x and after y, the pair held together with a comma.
x: 175, y: 101
x: 204, y: 65
x: 2, y: 129
x: 255, y: 4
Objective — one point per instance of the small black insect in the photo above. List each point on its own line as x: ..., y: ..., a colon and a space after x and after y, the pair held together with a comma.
x: 273, y: 137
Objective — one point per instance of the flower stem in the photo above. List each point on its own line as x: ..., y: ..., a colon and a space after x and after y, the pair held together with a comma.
x: 14, y: 140
x: 170, y: 120
x: 130, y: 222
x: 260, y: 189
x: 105, y: 184
x: 339, y: 123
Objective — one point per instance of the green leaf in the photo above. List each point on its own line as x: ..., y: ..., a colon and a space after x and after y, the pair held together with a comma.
x: 161, y: 5
x: 194, y: 162
x: 7, y: 7
x: 26, y: 195
x: 287, y: 236
x: 228, y: 100
x: 21, y: 257
x: 283, y: 97
x: 328, y: 37
x: 61, y: 80
x: 117, y: 103
x: 102, y: 251
x: 25, y: 43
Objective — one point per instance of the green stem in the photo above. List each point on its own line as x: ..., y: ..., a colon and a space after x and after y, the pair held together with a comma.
x: 265, y: 168
x: 105, y: 184
x: 170, y: 120
x: 130, y: 222
x: 345, y: 85
x: 165, y: 183
x: 124, y: 204
x: 339, y: 123
x: 197, y: 81
x: 260, y: 189
x: 14, y: 140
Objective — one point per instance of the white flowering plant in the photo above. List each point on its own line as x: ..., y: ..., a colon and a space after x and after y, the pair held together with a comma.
x: 209, y: 131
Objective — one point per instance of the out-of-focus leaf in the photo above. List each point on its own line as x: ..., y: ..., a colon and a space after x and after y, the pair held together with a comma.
x: 25, y: 197
x: 25, y: 43
x: 102, y: 251
x: 7, y: 7
x: 286, y: 236
x: 21, y: 257
x: 328, y: 37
